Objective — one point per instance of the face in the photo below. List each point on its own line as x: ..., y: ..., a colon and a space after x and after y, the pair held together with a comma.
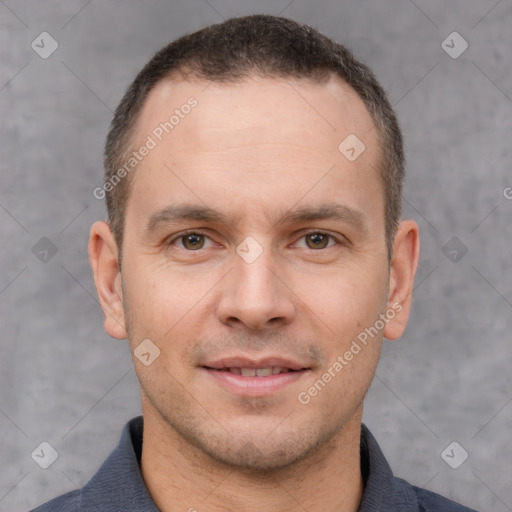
x: 254, y: 257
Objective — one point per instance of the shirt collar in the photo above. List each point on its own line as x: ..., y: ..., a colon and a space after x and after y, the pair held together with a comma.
x: 119, y: 483
x: 383, y: 491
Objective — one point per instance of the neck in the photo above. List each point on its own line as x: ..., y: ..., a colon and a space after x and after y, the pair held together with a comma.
x: 179, y: 476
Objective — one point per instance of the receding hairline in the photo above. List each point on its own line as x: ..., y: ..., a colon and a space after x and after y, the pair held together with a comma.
x: 185, y: 74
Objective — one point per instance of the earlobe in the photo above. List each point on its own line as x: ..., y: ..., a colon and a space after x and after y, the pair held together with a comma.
x: 103, y: 256
x: 404, y: 262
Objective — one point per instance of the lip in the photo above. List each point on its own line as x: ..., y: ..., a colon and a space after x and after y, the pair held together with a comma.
x: 245, y: 362
x: 254, y: 386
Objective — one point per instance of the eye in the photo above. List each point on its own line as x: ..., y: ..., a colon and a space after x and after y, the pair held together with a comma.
x: 191, y: 241
x: 318, y: 240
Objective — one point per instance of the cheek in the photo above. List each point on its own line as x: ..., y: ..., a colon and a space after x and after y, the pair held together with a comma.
x: 348, y: 308
x: 163, y: 310
x: 159, y: 296
x: 169, y: 307
x: 347, y: 300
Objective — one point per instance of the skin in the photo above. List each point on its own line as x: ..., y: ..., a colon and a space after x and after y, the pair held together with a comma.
x: 253, y: 151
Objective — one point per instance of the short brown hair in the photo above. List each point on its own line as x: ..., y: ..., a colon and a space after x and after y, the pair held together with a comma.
x: 268, y: 46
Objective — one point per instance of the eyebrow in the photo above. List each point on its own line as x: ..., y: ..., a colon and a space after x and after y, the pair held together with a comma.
x: 307, y: 213
x: 176, y: 213
x: 328, y: 211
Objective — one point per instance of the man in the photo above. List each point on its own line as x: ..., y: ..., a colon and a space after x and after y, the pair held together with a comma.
x: 255, y: 259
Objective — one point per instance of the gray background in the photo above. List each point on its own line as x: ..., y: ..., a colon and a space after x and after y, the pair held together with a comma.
x: 64, y: 381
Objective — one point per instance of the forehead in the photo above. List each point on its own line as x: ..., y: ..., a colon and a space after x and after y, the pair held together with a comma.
x: 258, y: 141
x: 264, y: 110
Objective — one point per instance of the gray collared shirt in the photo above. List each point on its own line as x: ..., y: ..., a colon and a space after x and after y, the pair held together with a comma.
x: 118, y: 485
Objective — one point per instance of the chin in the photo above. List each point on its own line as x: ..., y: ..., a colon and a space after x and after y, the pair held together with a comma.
x: 251, y: 457
x: 263, y: 453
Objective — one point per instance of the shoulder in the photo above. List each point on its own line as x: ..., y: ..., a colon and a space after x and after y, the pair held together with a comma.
x: 385, y: 491
x: 117, y: 486
x: 69, y: 502
x: 429, y: 501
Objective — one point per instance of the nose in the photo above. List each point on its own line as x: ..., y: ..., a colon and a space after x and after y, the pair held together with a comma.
x: 255, y: 295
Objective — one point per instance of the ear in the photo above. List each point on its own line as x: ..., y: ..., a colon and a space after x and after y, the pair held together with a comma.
x: 103, y: 256
x: 404, y: 262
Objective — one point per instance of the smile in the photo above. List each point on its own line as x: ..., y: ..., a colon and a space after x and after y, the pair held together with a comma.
x: 254, y: 379
x: 255, y: 372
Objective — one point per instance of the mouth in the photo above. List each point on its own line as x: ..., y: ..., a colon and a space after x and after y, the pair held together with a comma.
x: 254, y: 372
x: 255, y: 378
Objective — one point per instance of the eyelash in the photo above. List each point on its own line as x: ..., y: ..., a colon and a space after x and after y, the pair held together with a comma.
x: 313, y: 232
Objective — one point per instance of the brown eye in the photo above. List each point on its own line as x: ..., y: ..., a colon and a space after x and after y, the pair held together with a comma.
x: 193, y: 241
x: 317, y: 240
